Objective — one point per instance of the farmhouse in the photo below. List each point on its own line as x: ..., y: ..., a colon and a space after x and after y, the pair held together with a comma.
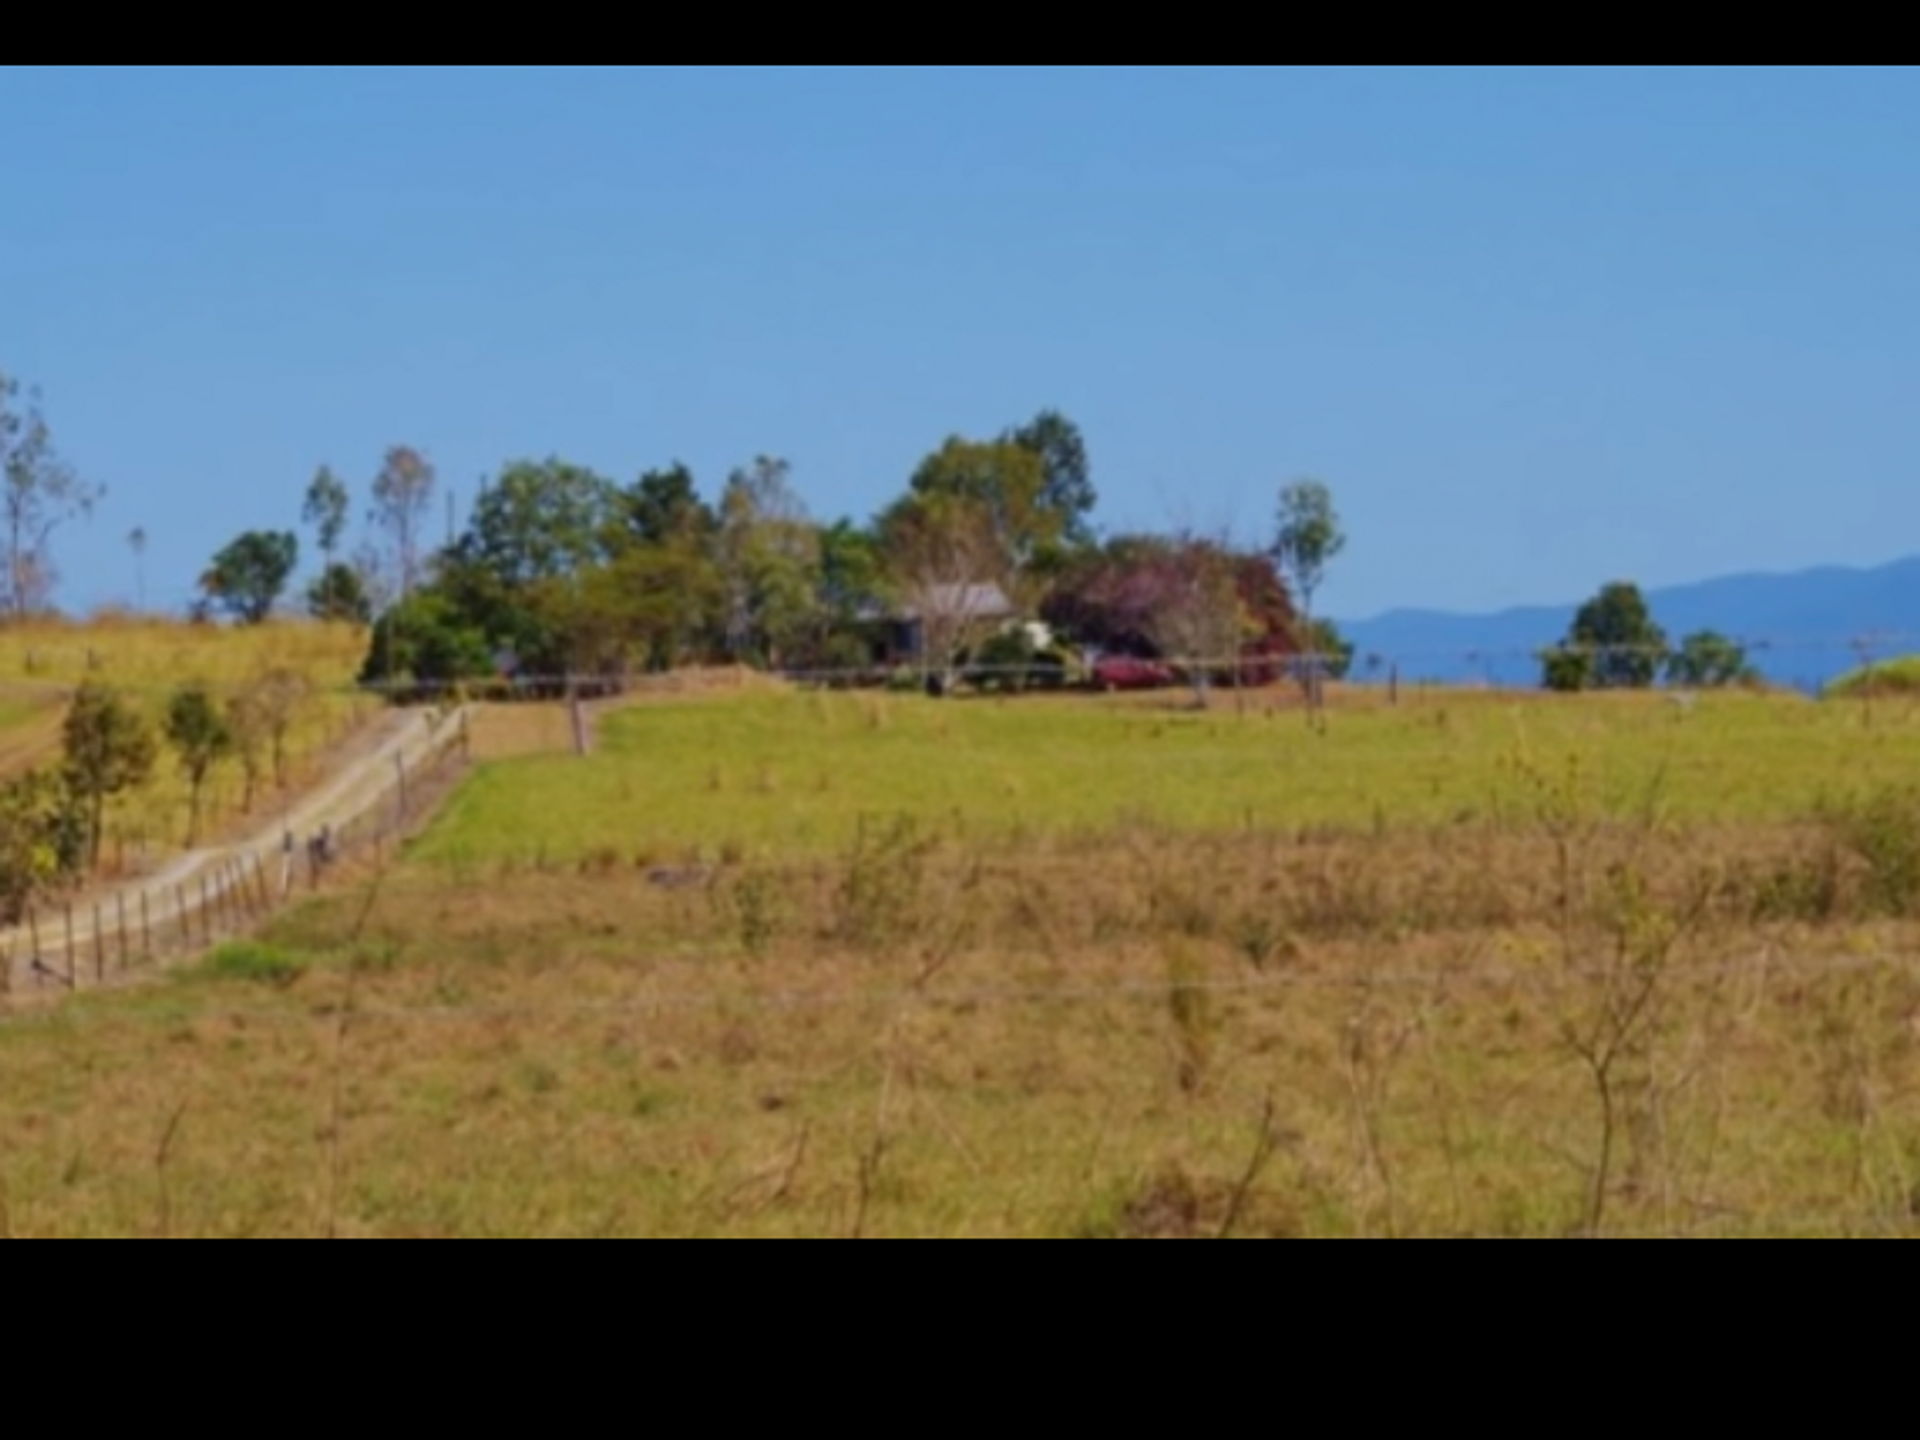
x: 900, y: 635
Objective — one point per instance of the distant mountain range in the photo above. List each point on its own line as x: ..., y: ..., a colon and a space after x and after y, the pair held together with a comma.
x: 1803, y: 630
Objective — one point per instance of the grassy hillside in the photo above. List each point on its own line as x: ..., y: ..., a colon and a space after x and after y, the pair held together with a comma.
x: 1894, y: 679
x: 41, y: 665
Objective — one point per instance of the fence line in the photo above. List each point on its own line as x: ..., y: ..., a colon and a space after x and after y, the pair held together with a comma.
x: 85, y: 942
x: 1862, y: 650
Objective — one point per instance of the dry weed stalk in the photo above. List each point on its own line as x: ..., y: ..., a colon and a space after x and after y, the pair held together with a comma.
x: 1376, y: 1041
x: 1266, y: 1145
x: 162, y: 1158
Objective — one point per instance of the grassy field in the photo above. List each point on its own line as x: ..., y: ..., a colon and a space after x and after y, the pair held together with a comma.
x: 41, y: 666
x: 824, y: 965
x: 772, y: 776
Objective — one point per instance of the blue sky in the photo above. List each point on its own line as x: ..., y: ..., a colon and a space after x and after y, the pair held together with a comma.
x: 1538, y: 328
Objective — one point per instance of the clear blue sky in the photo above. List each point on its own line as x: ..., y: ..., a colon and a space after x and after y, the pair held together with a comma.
x: 1538, y: 328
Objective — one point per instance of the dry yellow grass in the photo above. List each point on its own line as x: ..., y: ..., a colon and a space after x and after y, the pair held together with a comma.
x: 1135, y: 1034
x: 514, y: 732
x: 41, y: 666
x: 1649, y: 982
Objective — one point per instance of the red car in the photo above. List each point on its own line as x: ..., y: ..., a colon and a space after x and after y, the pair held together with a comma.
x: 1123, y: 672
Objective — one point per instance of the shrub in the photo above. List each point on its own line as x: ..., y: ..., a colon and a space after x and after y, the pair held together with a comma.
x: 253, y: 964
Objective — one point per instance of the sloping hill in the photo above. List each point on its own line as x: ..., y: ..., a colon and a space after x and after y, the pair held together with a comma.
x: 1806, y: 630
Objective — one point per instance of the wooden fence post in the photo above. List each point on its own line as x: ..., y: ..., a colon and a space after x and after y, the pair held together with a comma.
x: 206, y: 911
x: 120, y: 905
x: 99, y: 945
x: 73, y: 945
x: 146, y: 929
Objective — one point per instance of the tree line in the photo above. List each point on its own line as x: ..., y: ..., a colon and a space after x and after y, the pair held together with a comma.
x: 1615, y: 643
x: 562, y: 571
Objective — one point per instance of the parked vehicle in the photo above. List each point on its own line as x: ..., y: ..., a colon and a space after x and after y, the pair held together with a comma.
x: 1123, y: 672
x: 1012, y: 664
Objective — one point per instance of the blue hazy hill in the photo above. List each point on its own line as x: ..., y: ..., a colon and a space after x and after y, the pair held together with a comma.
x: 1804, y: 630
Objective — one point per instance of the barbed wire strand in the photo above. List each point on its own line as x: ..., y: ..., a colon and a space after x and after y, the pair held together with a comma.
x: 1366, y: 667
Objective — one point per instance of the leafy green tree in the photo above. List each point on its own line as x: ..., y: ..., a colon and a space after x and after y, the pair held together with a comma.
x: 39, y: 493
x: 769, y: 558
x: 850, y: 587
x: 1709, y: 661
x: 1614, y: 645
x: 426, y: 640
x: 664, y: 507
x: 1008, y: 484
x: 540, y: 521
x: 43, y: 842
x: 339, y: 597
x: 1566, y: 671
x: 1334, y: 651
x: 328, y: 505
x: 197, y: 729
x: 669, y: 597
x: 1067, y: 491
x: 110, y: 749
x: 653, y: 607
x: 250, y: 575
x: 1311, y: 538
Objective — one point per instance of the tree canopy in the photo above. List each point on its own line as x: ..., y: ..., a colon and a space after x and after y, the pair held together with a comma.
x: 248, y: 578
x: 1708, y: 660
x: 1067, y: 491
x: 540, y: 521
x: 108, y: 749
x: 1614, y: 644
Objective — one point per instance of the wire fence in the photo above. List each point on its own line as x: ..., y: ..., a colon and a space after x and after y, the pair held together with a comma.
x: 1805, y: 663
x: 1799, y: 661
x: 214, y: 897
x: 362, y: 818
